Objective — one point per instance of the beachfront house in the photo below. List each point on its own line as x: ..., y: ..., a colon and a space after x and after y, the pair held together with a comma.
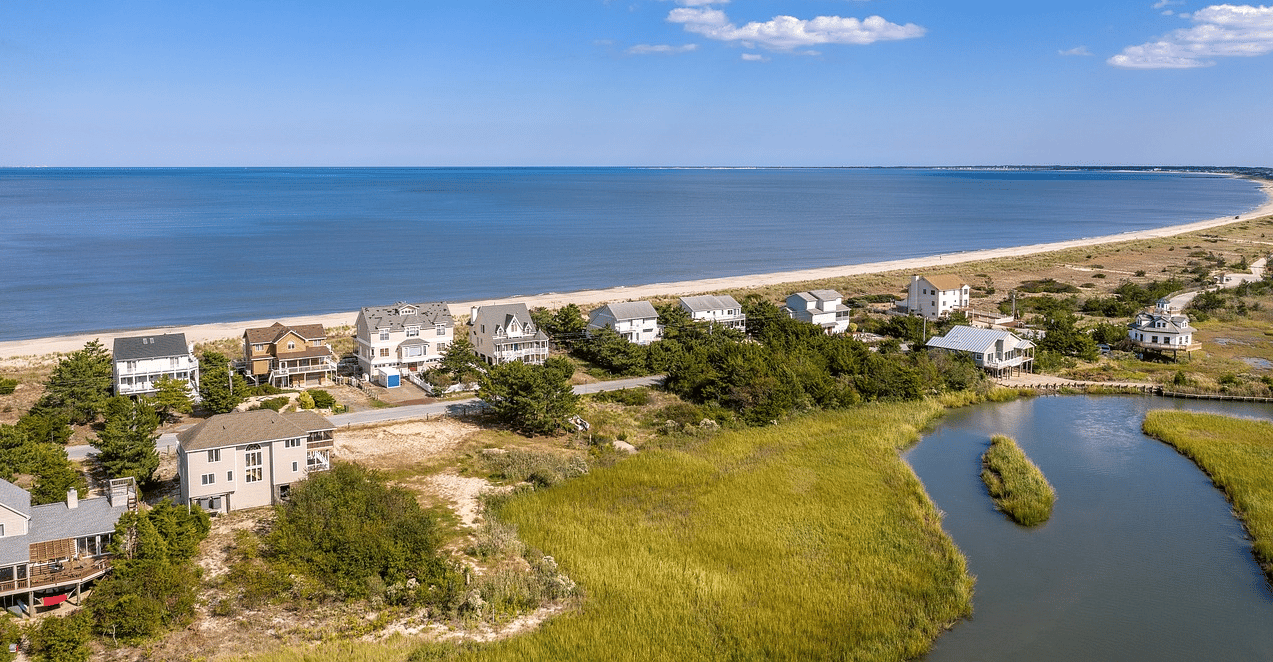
x: 997, y: 352
x: 821, y: 307
x: 720, y: 310
x: 404, y: 336
x: 1162, y: 330
x: 636, y: 321
x: 141, y: 361
x: 49, y: 552
x: 251, y: 458
x: 935, y: 297
x: 289, y: 356
x: 505, y: 332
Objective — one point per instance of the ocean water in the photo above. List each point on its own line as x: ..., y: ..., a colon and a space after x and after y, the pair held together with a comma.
x: 88, y: 250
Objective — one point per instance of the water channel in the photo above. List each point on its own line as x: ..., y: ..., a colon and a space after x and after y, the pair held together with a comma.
x: 1142, y: 559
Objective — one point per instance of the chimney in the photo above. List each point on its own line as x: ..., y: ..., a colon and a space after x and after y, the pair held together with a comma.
x: 72, y: 499
x: 472, y: 314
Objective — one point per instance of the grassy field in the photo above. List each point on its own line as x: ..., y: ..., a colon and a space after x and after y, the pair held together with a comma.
x: 807, y: 540
x: 1237, y: 454
x: 1017, y: 486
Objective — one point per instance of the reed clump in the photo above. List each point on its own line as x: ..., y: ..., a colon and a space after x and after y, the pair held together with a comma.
x: 1017, y: 486
x: 1237, y: 454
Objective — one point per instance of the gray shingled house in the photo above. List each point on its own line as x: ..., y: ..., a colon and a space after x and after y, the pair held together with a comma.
x: 505, y: 332
x: 637, y: 321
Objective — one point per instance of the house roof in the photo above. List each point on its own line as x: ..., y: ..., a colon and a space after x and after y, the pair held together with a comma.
x: 276, y: 331
x: 309, y: 421
x: 396, y: 317
x: 629, y: 310
x: 825, y: 295
x: 15, y: 498
x: 54, y: 521
x: 1176, y: 322
x: 501, y: 315
x: 150, y: 347
x: 946, y: 282
x: 706, y: 302
x: 248, y: 427
x: 970, y: 339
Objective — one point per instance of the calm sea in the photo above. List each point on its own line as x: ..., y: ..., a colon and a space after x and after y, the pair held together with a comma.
x: 85, y: 250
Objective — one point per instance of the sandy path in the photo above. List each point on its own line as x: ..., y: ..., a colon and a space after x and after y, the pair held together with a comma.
x: 586, y: 298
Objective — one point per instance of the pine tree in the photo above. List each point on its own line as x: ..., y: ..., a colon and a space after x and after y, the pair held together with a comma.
x: 532, y: 398
x: 173, y: 396
x: 79, y: 385
x: 221, y: 388
x: 127, y: 443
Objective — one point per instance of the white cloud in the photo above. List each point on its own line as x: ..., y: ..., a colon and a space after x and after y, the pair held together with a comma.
x: 700, y: 3
x: 784, y: 33
x: 1077, y: 50
x: 754, y: 57
x: 660, y: 49
x: 1167, y: 3
x: 1218, y: 31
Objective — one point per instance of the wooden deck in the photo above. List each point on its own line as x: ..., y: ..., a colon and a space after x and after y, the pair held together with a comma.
x: 46, y: 576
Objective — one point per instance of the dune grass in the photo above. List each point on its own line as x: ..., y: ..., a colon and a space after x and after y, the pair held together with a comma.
x: 1237, y: 454
x: 806, y: 540
x: 1017, y: 486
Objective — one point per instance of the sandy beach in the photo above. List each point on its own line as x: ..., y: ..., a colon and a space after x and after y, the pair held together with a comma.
x: 592, y: 298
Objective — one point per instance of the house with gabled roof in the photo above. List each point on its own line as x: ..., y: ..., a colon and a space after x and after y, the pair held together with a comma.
x: 720, y: 309
x: 289, y: 356
x: 48, y: 552
x: 1163, y: 330
x: 403, y: 337
x: 821, y: 307
x: 141, y: 361
x: 636, y: 321
x: 997, y: 352
x: 505, y: 332
x: 251, y: 458
x: 935, y: 297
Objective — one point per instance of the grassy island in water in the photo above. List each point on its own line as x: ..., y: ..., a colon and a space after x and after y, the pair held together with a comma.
x: 1017, y: 486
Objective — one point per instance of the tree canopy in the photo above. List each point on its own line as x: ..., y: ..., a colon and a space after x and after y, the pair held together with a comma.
x: 79, y: 385
x: 536, y: 399
x: 127, y: 442
x: 221, y: 388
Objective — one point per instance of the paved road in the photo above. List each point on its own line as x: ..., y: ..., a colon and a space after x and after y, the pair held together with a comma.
x: 168, y: 441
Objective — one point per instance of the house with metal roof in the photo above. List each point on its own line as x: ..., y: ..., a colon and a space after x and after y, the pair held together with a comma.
x: 997, y: 352
x: 636, y: 321
x: 48, y: 552
x: 251, y: 458
x: 719, y: 309
x: 289, y: 356
x: 935, y: 297
x: 821, y: 307
x: 505, y: 332
x: 403, y: 337
x: 141, y: 361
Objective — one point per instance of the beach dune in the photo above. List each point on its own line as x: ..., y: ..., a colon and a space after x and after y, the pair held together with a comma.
x: 589, y: 298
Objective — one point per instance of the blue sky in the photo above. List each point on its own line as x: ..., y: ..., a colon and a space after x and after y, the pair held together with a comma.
x: 645, y: 82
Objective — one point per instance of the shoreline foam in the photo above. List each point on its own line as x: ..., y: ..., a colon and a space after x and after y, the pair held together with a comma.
x: 218, y: 331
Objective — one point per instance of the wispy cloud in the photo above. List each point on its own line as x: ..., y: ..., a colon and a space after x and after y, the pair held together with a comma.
x: 785, y: 33
x: 661, y: 49
x: 1077, y: 50
x: 1218, y: 31
x: 754, y: 57
x: 1167, y: 3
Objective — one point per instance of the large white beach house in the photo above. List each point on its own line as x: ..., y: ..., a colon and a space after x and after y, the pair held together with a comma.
x: 636, y: 321
x: 141, y: 361
x: 935, y: 297
x: 413, y: 336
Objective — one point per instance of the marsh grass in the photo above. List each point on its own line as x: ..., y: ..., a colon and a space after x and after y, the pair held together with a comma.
x: 1237, y: 454
x: 1017, y: 486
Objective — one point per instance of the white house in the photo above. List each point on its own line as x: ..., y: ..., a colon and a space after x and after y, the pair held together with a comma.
x: 821, y: 307
x: 722, y: 310
x: 996, y: 352
x: 406, y: 336
x: 935, y: 297
x: 505, y: 332
x: 1162, y: 330
x: 637, y: 321
x: 250, y: 458
x: 141, y: 361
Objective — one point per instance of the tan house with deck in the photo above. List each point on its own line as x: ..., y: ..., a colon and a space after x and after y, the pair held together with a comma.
x: 49, y: 552
x: 252, y: 458
x: 289, y: 356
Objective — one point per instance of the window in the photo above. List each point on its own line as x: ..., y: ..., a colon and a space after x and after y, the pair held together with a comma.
x: 413, y: 350
x: 214, y: 503
x: 384, y: 334
x: 413, y: 332
x: 214, y: 455
x: 384, y: 351
x: 294, y: 467
x: 172, y: 362
x: 441, y: 347
x: 291, y: 344
x: 6, y: 574
x: 252, y: 475
x: 208, y: 479
x: 259, y: 349
x: 292, y: 443
x: 252, y: 460
x: 1, y: 529
x: 229, y: 476
x: 131, y: 365
x: 441, y: 330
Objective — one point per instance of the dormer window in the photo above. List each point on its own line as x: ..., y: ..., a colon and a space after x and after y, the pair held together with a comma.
x: 512, y: 328
x: 291, y: 344
x: 384, y: 334
x: 406, y: 310
x: 413, y: 332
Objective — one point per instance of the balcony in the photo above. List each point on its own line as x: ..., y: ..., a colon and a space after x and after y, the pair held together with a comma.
x: 1167, y: 347
x: 52, y: 575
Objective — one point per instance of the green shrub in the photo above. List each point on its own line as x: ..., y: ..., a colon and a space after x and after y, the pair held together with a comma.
x: 277, y: 404
x: 322, y: 399
x: 7, y: 385
x: 632, y: 397
x: 63, y: 639
x: 305, y: 400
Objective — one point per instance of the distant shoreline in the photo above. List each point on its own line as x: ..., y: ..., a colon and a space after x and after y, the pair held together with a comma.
x: 219, y: 331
